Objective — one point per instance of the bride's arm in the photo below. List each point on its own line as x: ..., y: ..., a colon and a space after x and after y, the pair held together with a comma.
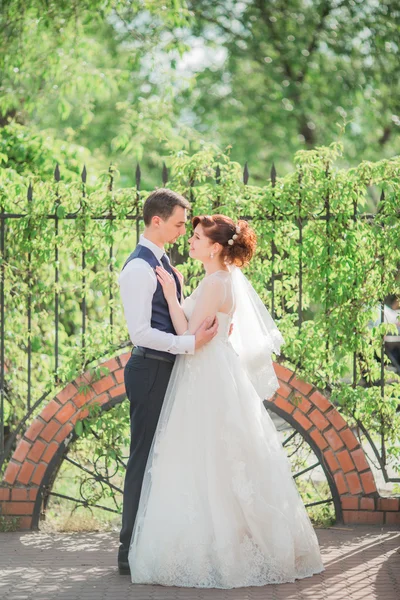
x: 211, y: 297
x: 178, y: 317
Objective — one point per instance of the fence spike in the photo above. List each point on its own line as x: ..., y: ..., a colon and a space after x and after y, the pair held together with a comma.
x: 111, y: 174
x: 245, y: 174
x: 84, y: 174
x: 164, y: 174
x: 57, y: 175
x: 138, y: 176
x: 218, y: 175
x: 273, y: 175
x: 30, y: 192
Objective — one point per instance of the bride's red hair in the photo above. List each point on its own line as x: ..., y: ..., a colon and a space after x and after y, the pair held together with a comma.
x: 220, y: 229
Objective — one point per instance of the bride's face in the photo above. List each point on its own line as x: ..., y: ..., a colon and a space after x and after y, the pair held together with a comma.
x: 200, y: 245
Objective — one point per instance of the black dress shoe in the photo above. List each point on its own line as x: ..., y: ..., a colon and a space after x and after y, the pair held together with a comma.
x: 123, y: 567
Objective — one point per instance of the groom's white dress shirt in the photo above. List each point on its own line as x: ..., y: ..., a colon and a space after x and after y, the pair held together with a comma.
x: 138, y: 282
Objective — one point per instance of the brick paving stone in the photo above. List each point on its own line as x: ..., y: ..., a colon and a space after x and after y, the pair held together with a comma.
x: 361, y: 563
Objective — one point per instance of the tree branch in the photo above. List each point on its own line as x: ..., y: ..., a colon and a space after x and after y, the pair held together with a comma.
x: 387, y: 132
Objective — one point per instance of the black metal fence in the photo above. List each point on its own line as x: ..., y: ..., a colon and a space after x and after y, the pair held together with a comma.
x: 31, y: 400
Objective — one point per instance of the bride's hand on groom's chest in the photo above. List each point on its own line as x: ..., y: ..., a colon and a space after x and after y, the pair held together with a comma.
x: 178, y: 274
x: 167, y: 283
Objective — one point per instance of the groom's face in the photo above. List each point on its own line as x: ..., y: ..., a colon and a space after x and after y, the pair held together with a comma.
x: 174, y: 226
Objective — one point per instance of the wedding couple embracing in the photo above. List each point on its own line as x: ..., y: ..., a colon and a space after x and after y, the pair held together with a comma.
x: 209, y: 499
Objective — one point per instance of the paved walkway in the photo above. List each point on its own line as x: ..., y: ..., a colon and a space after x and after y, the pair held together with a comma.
x: 361, y: 564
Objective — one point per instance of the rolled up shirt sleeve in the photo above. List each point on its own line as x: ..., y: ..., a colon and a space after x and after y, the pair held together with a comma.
x: 137, y: 286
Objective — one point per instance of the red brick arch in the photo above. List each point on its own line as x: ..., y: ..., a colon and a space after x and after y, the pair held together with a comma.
x: 306, y: 407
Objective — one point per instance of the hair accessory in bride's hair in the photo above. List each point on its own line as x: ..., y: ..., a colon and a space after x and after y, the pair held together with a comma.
x: 235, y: 236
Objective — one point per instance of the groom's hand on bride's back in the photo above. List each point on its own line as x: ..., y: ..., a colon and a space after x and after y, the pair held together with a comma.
x: 205, y: 333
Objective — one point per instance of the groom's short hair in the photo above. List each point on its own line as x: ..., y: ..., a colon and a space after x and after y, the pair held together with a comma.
x: 161, y: 203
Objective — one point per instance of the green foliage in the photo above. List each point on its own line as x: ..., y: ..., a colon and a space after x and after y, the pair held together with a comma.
x: 87, y: 72
x: 30, y: 152
x: 135, y: 80
x: 290, y: 74
x: 83, y: 81
x: 349, y: 264
x: 8, y: 523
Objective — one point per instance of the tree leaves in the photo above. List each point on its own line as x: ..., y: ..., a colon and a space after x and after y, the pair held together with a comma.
x: 349, y: 263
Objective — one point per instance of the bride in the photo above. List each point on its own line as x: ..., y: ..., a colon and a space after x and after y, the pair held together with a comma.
x: 219, y: 507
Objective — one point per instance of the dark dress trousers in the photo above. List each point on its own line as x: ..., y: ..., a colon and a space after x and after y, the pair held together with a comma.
x: 146, y: 381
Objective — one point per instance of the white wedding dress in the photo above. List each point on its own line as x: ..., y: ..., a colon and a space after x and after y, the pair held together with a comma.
x: 219, y: 507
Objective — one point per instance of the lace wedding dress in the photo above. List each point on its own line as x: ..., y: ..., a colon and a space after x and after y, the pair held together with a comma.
x: 219, y: 507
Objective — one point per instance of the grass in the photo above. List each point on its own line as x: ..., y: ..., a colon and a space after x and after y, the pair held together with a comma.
x: 8, y: 524
x: 66, y: 515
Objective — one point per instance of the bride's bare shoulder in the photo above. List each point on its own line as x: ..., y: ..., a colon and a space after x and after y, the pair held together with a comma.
x: 214, y: 280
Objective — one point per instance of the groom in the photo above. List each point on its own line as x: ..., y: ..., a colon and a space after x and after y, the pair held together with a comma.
x: 149, y: 368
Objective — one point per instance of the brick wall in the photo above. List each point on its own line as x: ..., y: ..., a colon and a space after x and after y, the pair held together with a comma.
x: 312, y: 413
